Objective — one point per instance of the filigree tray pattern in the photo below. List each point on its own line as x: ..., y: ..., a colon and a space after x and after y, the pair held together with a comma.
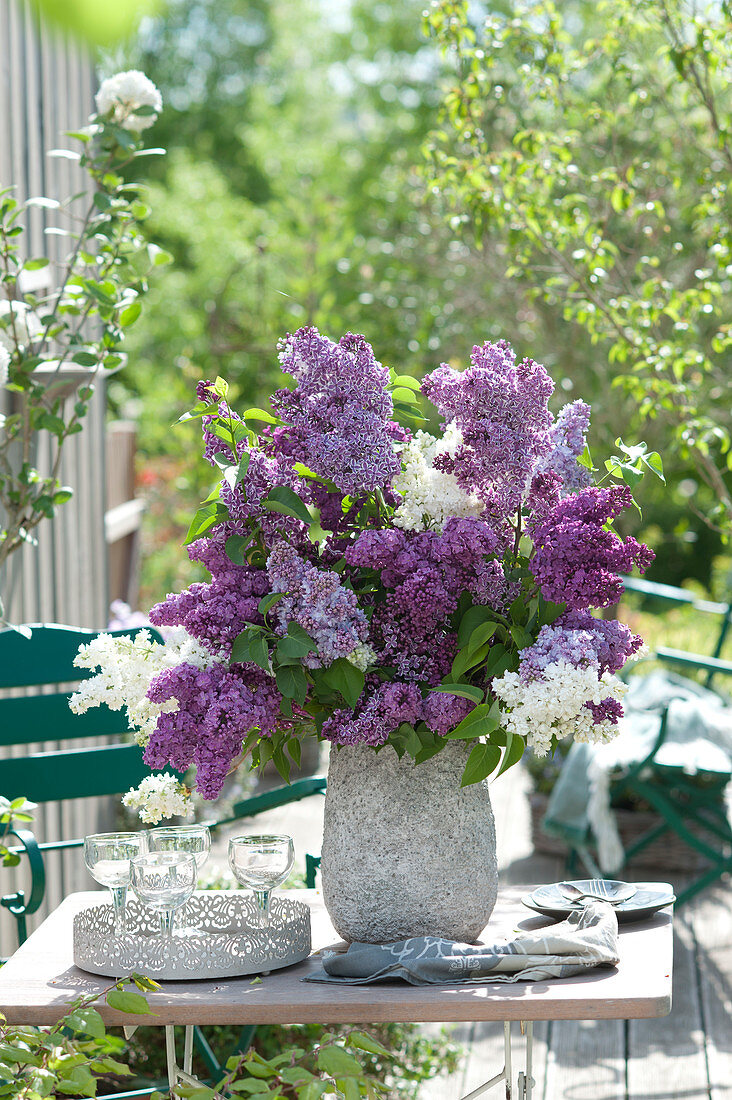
x: 223, y: 941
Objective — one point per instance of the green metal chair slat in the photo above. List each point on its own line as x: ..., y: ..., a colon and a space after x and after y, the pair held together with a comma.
x: 47, y: 657
x: 21, y: 720
x: 77, y: 773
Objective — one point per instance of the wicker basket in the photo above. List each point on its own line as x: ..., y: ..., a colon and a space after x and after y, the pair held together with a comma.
x: 667, y: 853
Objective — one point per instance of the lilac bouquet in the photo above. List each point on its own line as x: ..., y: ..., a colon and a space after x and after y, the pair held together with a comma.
x: 392, y: 587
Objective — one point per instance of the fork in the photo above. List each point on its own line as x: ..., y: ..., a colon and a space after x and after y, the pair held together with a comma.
x: 598, y: 890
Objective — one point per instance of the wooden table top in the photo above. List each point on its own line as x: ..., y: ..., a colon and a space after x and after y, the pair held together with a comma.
x: 40, y: 979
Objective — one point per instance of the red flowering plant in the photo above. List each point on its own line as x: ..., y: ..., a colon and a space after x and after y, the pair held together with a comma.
x: 389, y: 586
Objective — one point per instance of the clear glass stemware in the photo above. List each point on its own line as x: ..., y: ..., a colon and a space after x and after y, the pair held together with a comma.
x: 261, y: 863
x: 164, y: 881
x: 107, y: 857
x: 195, y: 840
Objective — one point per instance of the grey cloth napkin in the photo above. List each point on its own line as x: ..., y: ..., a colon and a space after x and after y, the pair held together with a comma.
x: 587, y: 938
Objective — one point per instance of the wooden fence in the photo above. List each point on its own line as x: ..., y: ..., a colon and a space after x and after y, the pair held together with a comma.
x: 46, y: 87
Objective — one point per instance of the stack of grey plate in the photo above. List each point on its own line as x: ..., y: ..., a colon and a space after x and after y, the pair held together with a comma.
x: 632, y: 901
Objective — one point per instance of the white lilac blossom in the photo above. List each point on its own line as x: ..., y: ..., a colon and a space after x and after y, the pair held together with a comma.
x: 565, y: 682
x: 556, y: 705
x: 429, y: 496
x: 363, y: 656
x: 4, y: 364
x: 159, y: 797
x: 23, y: 325
x: 126, y: 668
x: 123, y: 94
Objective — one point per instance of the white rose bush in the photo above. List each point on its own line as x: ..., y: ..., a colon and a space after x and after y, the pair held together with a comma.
x: 74, y: 327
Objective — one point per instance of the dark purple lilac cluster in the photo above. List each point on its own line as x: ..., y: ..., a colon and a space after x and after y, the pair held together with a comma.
x: 217, y: 708
x: 339, y: 414
x: 384, y: 709
x: 576, y: 559
x: 501, y: 410
x: 213, y: 612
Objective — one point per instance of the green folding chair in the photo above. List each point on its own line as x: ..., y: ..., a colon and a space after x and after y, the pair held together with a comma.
x: 46, y: 660
x: 692, y: 807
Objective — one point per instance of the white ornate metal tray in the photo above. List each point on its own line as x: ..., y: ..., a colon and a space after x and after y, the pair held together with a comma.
x: 219, y: 939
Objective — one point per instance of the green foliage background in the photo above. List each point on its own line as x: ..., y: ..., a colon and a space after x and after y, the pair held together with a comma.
x: 321, y: 171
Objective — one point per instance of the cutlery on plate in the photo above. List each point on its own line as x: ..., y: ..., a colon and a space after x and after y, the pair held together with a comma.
x: 598, y: 890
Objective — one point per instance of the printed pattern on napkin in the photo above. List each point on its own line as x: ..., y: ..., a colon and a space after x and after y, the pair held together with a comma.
x: 587, y: 938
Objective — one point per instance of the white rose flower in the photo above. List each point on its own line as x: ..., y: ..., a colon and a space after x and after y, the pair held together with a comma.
x: 4, y: 364
x: 123, y: 94
x: 26, y: 325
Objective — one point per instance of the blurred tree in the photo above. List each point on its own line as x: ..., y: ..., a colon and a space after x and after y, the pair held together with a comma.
x: 589, y: 145
x: 291, y: 197
x: 98, y: 22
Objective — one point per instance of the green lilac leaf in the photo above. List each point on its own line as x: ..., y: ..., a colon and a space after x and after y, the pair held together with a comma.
x: 482, y: 761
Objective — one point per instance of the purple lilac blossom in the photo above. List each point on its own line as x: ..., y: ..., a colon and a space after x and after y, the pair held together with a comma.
x: 386, y: 707
x: 544, y: 492
x: 580, y: 639
x: 264, y: 472
x: 426, y: 571
x: 218, y: 707
x: 576, y: 560
x: 501, y: 410
x: 214, y: 446
x: 339, y: 414
x: 609, y: 710
x: 567, y: 440
x: 424, y: 574
x: 491, y: 587
x: 215, y: 612
x: 318, y: 602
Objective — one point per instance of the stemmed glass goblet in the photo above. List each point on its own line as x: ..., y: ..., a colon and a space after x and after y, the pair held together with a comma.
x: 107, y: 857
x: 262, y: 863
x: 164, y: 881
x: 193, y: 839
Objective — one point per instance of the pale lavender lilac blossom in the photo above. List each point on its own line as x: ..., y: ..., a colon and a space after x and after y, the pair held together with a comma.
x: 339, y: 414
x: 501, y: 410
x: 318, y: 602
x: 567, y: 441
x: 580, y: 639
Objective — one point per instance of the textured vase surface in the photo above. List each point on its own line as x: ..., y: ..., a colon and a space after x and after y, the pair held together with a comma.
x: 406, y: 850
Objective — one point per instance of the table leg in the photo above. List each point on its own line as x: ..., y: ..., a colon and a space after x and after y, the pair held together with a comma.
x: 188, y: 1049
x: 176, y: 1075
x: 525, y: 1080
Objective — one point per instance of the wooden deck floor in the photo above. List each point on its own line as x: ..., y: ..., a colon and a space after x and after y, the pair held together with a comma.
x: 684, y: 1056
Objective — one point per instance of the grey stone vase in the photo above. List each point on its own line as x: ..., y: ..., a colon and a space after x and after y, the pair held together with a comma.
x: 406, y: 850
